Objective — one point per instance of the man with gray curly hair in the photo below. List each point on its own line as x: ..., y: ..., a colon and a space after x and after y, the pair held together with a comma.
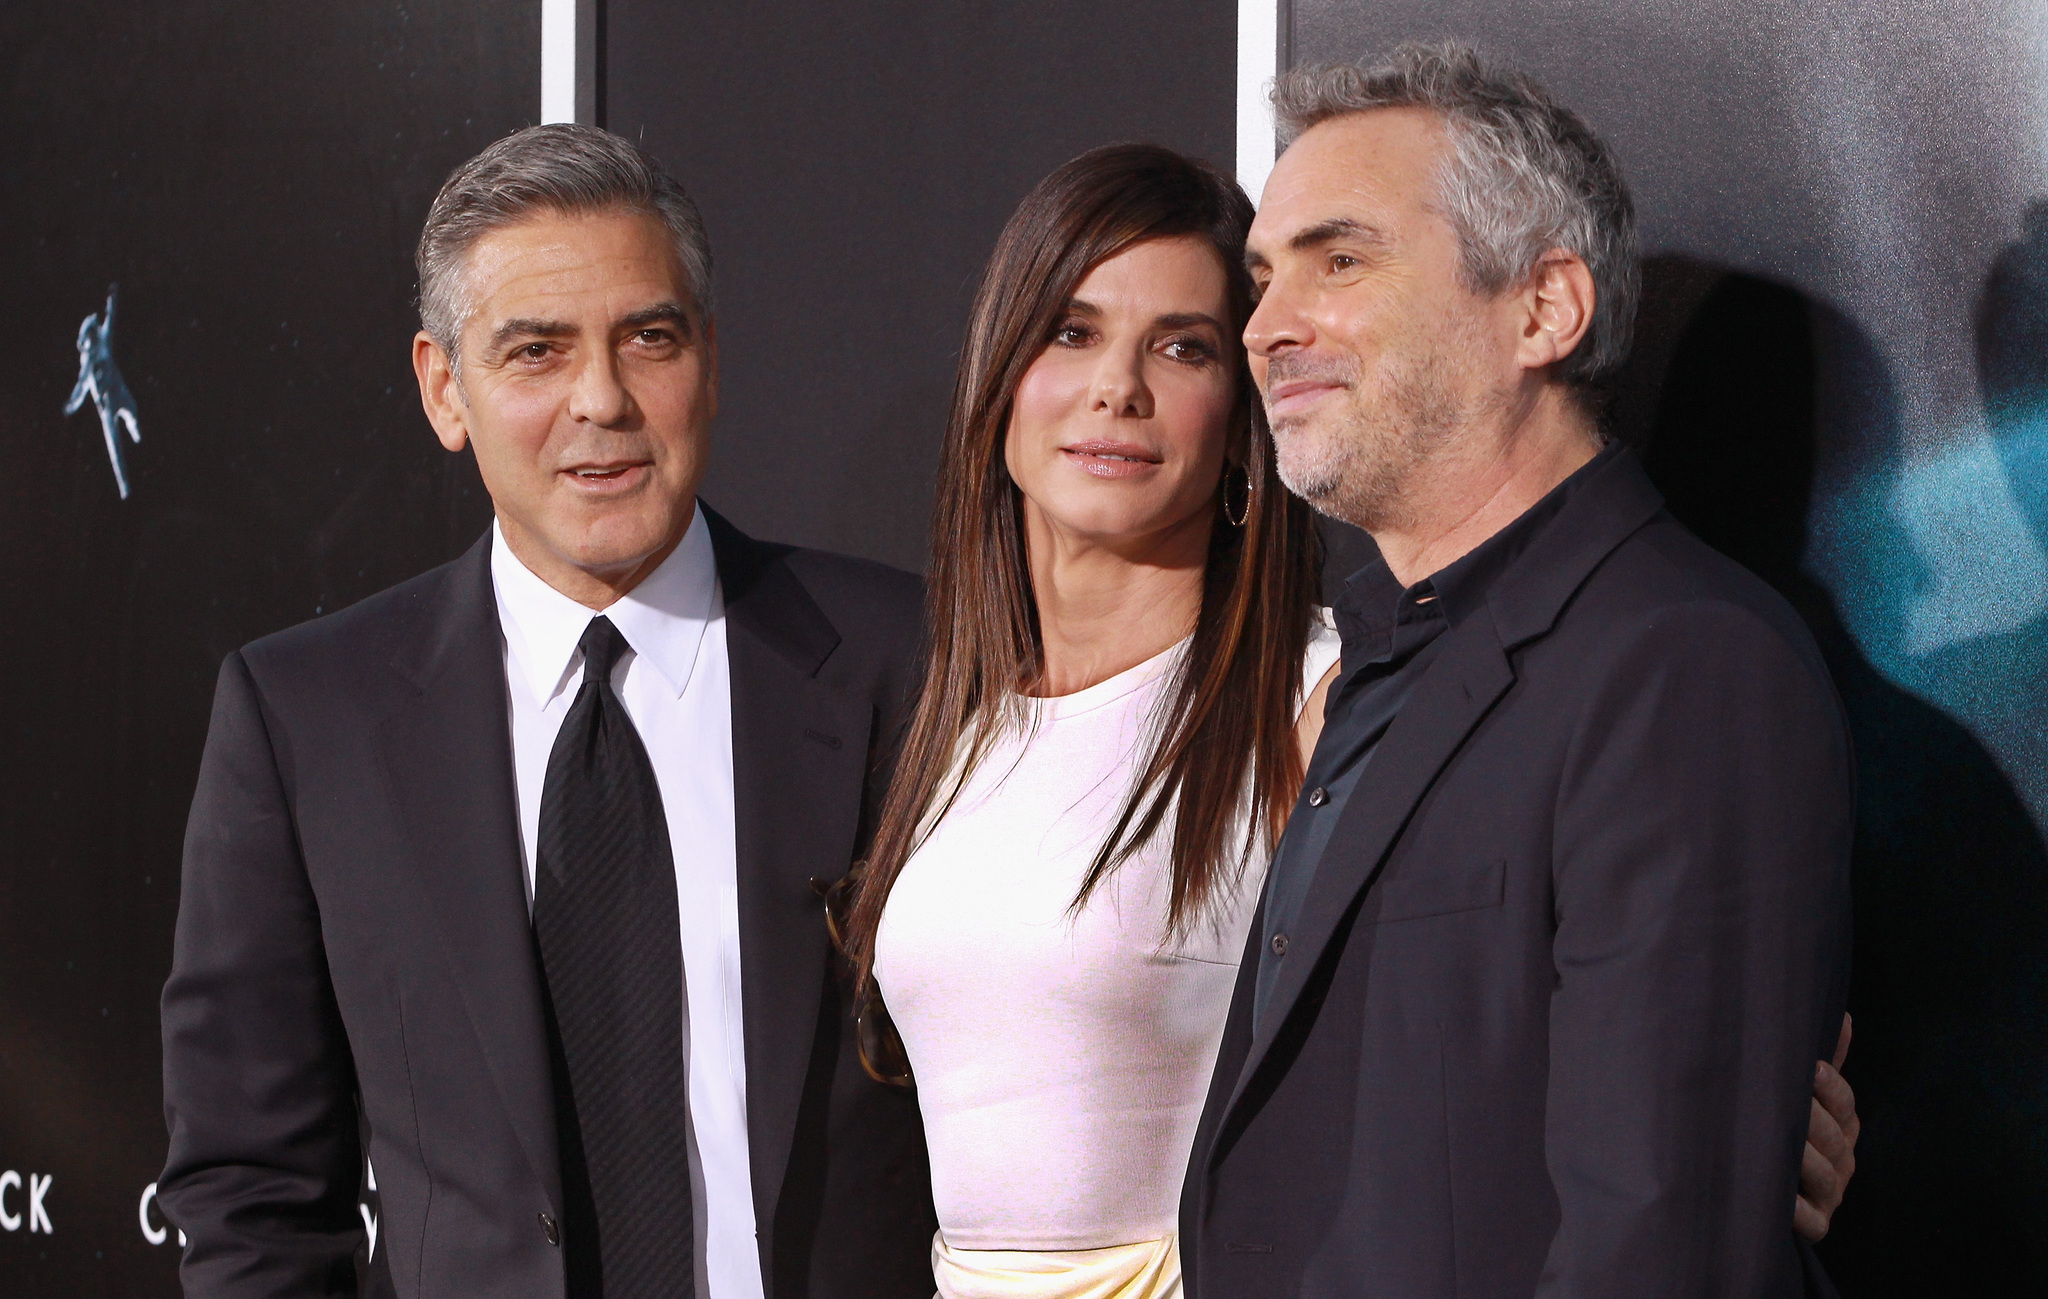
x: 1557, y: 929
x: 1519, y: 185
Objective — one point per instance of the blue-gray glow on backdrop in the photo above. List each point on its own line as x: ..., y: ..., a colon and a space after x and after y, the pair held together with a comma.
x: 100, y: 379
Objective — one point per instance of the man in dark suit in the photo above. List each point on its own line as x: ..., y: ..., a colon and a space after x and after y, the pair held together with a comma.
x: 1557, y: 930
x: 512, y: 871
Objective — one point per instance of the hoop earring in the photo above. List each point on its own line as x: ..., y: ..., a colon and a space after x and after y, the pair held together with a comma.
x: 1238, y: 516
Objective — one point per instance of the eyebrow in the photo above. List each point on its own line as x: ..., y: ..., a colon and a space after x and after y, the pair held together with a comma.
x: 661, y: 312
x: 530, y: 327
x: 1171, y: 320
x: 1327, y: 232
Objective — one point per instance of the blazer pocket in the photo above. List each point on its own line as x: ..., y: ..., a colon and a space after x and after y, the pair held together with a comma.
x: 1414, y: 897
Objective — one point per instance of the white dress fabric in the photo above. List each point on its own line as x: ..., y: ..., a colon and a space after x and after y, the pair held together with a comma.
x: 1062, y: 1058
x: 1146, y: 1270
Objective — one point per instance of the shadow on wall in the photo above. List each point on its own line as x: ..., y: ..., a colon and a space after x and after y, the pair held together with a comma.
x: 1950, y: 986
x: 2010, y: 673
x: 2012, y: 362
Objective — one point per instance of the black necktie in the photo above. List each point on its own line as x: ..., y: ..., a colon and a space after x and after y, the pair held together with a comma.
x: 604, y: 912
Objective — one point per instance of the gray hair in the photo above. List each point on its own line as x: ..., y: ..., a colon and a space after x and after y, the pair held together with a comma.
x: 1524, y: 175
x: 559, y: 168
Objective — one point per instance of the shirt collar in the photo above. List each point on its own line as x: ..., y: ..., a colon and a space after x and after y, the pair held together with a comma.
x: 663, y: 618
x: 1374, y: 600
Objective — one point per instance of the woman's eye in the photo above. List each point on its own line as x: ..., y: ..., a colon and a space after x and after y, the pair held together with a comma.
x: 1071, y: 334
x: 1189, y: 349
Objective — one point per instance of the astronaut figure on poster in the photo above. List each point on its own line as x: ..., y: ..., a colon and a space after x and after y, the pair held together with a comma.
x: 100, y: 379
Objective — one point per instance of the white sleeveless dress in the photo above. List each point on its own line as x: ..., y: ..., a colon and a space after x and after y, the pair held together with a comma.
x: 1061, y: 1059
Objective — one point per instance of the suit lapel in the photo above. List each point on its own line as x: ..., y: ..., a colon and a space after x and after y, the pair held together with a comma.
x: 1458, y: 690
x: 799, y: 750
x: 449, y: 756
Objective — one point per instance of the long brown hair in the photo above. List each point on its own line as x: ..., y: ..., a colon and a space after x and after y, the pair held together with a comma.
x: 1225, y: 757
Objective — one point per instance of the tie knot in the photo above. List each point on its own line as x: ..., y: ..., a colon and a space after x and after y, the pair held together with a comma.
x: 601, y: 645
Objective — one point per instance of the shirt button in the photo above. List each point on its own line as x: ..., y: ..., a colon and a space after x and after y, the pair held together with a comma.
x: 1318, y: 796
x: 1279, y: 944
x: 550, y: 1230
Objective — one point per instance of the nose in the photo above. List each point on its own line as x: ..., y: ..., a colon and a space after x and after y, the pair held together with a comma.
x: 600, y: 395
x: 1119, y: 388
x: 1279, y: 323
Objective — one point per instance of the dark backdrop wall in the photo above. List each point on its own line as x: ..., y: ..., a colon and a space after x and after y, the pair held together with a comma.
x: 1842, y: 381
x: 855, y: 163
x: 252, y: 176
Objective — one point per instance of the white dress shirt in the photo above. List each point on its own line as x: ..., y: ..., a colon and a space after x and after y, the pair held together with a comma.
x: 676, y: 685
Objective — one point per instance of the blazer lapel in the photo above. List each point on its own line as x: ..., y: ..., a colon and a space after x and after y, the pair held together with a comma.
x: 1458, y: 690
x: 1472, y: 673
x: 799, y: 751
x: 449, y: 755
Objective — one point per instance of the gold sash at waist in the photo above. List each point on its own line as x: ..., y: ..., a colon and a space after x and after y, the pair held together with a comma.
x: 1149, y: 1269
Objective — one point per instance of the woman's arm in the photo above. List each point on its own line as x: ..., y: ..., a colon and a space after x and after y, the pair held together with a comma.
x: 1309, y: 726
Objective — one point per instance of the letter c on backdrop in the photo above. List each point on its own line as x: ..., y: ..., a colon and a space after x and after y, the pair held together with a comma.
x: 11, y: 1221
x: 154, y: 1235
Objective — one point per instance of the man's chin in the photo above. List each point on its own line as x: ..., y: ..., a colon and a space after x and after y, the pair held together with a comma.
x: 1318, y: 484
x: 614, y: 542
x: 1336, y: 483
x: 618, y: 555
x: 1325, y: 499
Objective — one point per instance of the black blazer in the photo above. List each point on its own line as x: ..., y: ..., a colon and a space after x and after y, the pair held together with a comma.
x: 1549, y: 1020
x: 353, y: 944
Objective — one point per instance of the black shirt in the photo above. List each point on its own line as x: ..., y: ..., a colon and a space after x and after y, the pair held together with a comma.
x: 1391, y: 636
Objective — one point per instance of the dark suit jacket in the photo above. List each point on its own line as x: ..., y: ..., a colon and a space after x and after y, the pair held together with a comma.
x: 1548, y: 1023
x: 353, y: 932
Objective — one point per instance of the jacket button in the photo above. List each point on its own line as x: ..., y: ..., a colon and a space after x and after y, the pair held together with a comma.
x: 1318, y: 796
x: 550, y: 1230
x: 1279, y: 944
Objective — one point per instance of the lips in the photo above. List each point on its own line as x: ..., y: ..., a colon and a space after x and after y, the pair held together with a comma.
x: 607, y: 477
x: 1295, y: 396
x: 1111, y: 459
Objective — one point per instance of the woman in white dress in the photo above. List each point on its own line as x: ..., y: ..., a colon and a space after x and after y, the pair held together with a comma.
x: 1126, y: 670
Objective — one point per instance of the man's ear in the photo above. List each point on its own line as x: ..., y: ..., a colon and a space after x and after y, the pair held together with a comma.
x: 440, y: 392
x: 1557, y: 309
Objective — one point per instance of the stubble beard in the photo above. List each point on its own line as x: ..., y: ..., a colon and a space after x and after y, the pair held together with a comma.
x: 1357, y: 462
